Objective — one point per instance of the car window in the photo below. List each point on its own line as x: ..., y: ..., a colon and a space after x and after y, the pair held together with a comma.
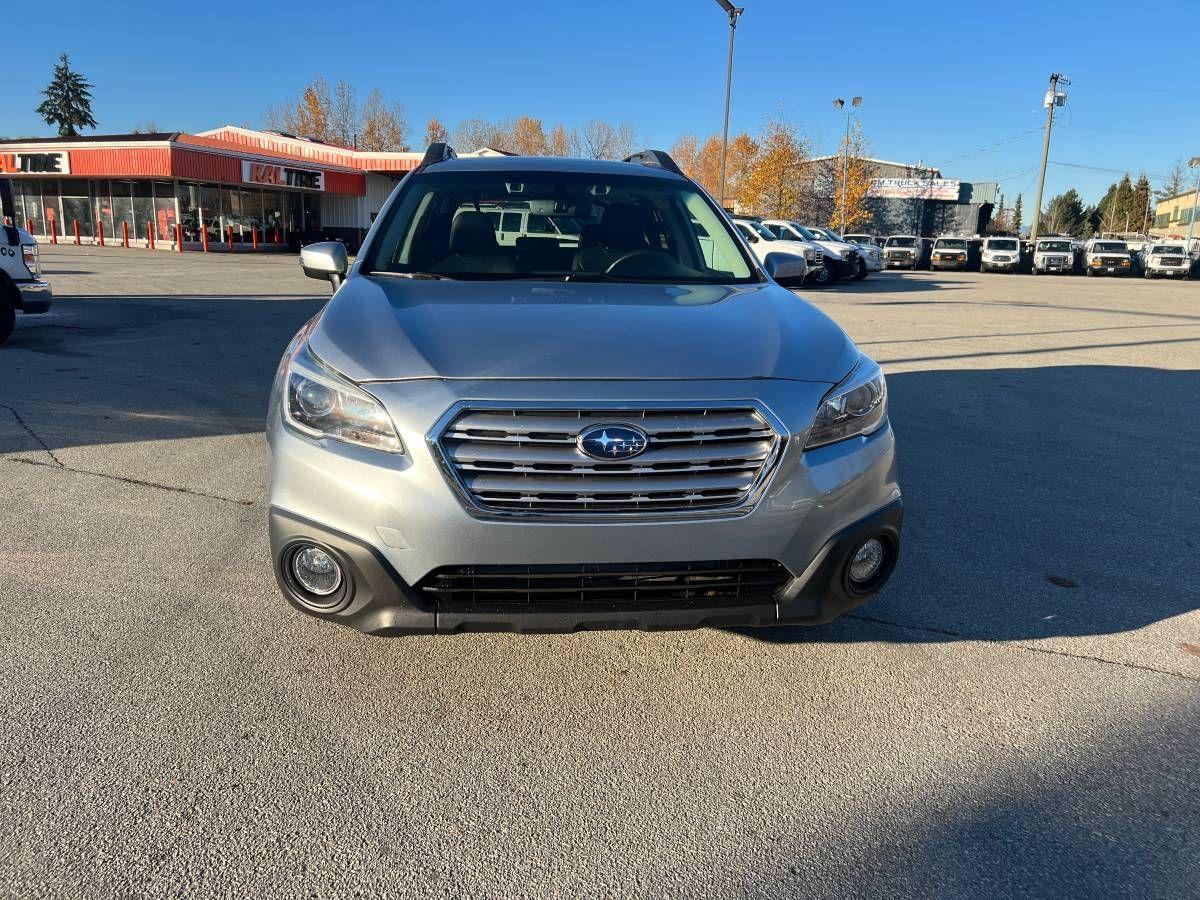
x: 1110, y: 247
x: 617, y: 227
x: 1002, y: 245
x: 900, y: 242
x: 950, y: 244
x: 1054, y: 246
x: 1167, y: 248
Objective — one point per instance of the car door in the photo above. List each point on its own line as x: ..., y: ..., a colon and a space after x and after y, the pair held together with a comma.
x: 512, y: 226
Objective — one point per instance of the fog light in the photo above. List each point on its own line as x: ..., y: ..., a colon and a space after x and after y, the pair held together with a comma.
x: 867, y: 561
x: 317, y: 571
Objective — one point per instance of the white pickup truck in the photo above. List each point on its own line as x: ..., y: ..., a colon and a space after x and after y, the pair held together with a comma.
x: 804, y: 258
x: 21, y: 285
x: 1166, y: 259
x: 1053, y: 254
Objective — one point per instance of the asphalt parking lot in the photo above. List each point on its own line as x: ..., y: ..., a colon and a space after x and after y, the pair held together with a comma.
x: 1018, y: 713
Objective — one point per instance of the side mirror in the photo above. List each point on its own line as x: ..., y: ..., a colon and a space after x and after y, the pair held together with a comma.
x: 782, y: 266
x: 326, y: 261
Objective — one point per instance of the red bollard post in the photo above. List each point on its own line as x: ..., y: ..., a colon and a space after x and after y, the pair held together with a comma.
x: 149, y: 236
x: 101, y: 224
x: 29, y: 225
x: 229, y: 234
x: 204, y: 238
x: 254, y: 239
x: 179, y: 237
x: 125, y: 234
x: 53, y: 225
x: 75, y: 227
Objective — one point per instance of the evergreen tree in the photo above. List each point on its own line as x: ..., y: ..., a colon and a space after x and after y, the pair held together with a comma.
x: 1140, y: 204
x: 1065, y: 215
x: 1017, y: 215
x: 68, y: 103
x: 999, y: 216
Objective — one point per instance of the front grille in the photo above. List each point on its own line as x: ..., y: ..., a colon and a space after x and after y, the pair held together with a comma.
x: 1171, y: 261
x: 1113, y: 260
x: 608, y: 586
x: 528, y: 460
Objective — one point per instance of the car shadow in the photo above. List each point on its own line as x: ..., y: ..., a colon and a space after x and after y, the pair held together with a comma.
x: 1039, y: 503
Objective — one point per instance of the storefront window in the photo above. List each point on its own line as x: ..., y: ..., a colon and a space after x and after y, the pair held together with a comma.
x: 189, y: 210
x: 50, y: 210
x: 122, y: 206
x: 143, y: 209
x: 272, y: 205
x: 312, y: 216
x: 210, y: 211
x: 252, y: 214
x: 76, y: 208
x: 30, y: 206
x: 103, y: 212
x: 164, y: 211
x: 233, y: 214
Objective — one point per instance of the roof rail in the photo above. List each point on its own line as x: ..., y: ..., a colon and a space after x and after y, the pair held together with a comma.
x: 655, y: 159
x: 439, y: 151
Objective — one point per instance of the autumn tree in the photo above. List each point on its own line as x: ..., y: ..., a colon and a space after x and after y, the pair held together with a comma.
x: 686, y: 153
x: 708, y: 165
x: 854, y: 182
x: 528, y: 137
x: 383, y: 125
x: 774, y: 184
x: 313, y: 110
x: 435, y: 131
x: 562, y: 142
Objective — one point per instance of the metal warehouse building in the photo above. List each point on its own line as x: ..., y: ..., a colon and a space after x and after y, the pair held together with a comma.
x: 227, y: 185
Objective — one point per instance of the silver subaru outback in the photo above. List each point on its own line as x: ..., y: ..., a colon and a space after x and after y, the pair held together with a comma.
x: 613, y: 417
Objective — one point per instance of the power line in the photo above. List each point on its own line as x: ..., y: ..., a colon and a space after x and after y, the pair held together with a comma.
x: 1068, y: 165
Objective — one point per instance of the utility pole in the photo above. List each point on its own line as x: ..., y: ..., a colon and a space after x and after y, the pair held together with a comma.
x: 1194, y: 162
x: 733, y: 12
x: 1052, y: 99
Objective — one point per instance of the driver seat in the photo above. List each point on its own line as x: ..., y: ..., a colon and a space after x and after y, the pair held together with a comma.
x: 622, y: 230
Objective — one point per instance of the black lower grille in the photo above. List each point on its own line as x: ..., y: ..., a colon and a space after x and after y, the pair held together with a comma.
x: 608, y: 586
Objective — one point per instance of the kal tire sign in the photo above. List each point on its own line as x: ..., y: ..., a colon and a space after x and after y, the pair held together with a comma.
x: 282, y: 176
x: 35, y: 163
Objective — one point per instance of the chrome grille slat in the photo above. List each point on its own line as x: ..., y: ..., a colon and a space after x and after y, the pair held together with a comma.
x: 527, y: 461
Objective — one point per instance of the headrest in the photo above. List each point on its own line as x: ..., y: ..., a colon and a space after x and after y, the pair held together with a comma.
x: 472, y: 232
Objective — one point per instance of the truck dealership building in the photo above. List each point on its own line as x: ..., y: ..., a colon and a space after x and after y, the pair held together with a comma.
x: 229, y: 184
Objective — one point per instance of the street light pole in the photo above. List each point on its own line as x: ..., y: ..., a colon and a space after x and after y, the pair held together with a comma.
x: 841, y: 104
x: 1194, y: 162
x: 733, y: 12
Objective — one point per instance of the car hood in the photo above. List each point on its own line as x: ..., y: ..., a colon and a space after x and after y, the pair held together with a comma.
x: 380, y: 328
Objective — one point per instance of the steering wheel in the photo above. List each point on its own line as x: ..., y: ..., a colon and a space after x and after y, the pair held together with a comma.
x: 632, y: 254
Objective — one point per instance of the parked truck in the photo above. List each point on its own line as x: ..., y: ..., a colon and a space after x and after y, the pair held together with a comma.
x: 21, y: 286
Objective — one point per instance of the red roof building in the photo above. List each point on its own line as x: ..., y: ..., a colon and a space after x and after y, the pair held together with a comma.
x: 231, y: 183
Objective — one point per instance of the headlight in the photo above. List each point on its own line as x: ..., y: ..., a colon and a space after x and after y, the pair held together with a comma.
x: 29, y: 253
x: 856, y: 406
x: 322, y: 404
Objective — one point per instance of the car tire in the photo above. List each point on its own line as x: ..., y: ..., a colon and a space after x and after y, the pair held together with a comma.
x: 8, y: 311
x: 1146, y: 274
x: 821, y: 276
x: 861, y: 272
x: 1034, y: 272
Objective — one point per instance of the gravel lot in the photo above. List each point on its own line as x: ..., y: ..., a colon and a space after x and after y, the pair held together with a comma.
x: 1018, y: 714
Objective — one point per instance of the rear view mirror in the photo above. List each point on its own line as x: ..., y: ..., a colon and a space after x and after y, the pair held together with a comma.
x: 326, y: 261
x: 782, y: 266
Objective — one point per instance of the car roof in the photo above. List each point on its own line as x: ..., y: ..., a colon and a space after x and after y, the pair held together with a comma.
x: 547, y: 164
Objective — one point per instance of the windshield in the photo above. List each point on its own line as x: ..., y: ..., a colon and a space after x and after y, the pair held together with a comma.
x: 950, y: 244
x: 1109, y: 247
x: 1167, y: 248
x: 860, y: 238
x: 901, y: 242
x: 1054, y: 246
x: 557, y: 226
x: 822, y: 234
x: 757, y: 228
x: 1002, y: 245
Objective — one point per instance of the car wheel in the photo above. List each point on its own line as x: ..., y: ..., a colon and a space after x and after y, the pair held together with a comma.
x: 1034, y: 272
x: 821, y: 276
x: 861, y: 272
x: 8, y: 311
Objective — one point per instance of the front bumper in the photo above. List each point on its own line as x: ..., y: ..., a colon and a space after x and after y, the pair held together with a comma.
x: 1170, y: 271
x: 35, y: 296
x: 994, y: 266
x: 956, y: 263
x: 382, y: 603
x: 393, y: 520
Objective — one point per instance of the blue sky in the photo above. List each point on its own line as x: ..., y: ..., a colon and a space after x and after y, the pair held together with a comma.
x: 958, y: 85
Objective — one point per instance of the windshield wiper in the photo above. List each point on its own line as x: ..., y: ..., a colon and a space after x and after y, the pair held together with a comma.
x: 415, y: 275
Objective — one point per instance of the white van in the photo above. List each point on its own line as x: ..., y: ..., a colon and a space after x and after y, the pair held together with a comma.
x: 1000, y: 254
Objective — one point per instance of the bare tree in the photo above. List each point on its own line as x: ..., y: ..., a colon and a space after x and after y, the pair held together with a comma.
x: 343, y: 115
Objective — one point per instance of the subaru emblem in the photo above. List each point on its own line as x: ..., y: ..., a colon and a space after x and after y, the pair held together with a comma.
x: 613, y: 441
